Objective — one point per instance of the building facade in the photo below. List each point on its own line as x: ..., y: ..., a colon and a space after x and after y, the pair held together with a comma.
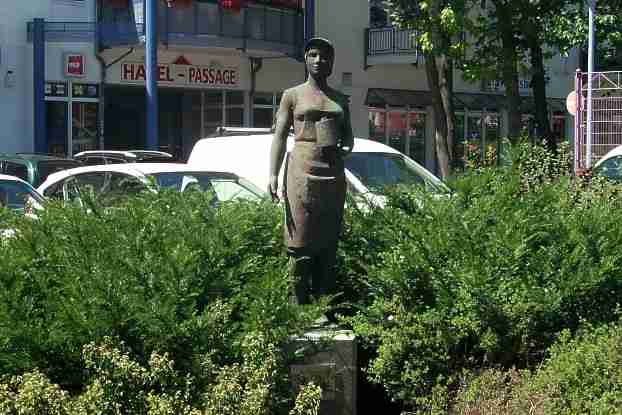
x: 72, y: 74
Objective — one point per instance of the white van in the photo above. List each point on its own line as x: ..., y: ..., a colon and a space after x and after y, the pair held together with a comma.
x: 369, y: 167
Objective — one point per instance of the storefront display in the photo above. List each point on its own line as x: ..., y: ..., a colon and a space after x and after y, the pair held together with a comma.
x: 76, y: 105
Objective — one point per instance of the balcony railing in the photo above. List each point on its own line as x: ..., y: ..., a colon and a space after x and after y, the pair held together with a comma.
x: 208, y: 25
x: 392, y: 41
x: 66, y: 31
x: 202, y: 25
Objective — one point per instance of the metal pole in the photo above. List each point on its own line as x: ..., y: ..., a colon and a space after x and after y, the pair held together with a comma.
x: 151, y: 72
x: 590, y: 70
x: 38, y: 42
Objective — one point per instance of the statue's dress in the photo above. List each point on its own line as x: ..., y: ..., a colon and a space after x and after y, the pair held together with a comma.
x: 315, y: 185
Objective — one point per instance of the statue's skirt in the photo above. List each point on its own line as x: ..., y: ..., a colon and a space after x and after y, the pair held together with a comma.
x: 315, y: 189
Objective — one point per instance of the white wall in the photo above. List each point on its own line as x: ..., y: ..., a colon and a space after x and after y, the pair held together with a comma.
x: 16, y: 54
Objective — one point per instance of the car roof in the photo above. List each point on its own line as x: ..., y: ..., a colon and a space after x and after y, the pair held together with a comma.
x: 33, y: 157
x: 132, y: 154
x: 252, y: 161
x: 361, y: 145
x: 134, y: 169
x: 13, y: 179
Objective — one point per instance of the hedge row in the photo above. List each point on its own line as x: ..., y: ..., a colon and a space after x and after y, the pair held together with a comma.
x: 438, y: 288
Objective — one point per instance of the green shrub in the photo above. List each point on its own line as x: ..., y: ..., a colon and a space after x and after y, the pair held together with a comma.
x: 583, y: 375
x: 117, y: 384
x: 488, y: 277
x: 162, y: 274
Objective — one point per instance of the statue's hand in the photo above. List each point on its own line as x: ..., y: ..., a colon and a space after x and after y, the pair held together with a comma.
x: 346, y: 148
x: 273, y: 188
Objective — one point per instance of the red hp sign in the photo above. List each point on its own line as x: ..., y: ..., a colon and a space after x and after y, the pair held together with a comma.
x: 74, y: 65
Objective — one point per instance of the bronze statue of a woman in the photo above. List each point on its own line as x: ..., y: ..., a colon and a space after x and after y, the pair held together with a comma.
x: 314, y: 185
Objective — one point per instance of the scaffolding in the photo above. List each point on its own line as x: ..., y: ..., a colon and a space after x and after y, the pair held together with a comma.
x: 606, y: 117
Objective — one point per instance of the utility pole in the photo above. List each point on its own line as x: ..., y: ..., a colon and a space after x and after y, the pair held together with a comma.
x: 151, y: 72
x: 590, y: 71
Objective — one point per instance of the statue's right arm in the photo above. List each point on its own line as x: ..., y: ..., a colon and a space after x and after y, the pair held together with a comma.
x: 284, y: 119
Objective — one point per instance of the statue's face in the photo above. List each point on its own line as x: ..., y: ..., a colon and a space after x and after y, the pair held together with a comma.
x: 319, y: 62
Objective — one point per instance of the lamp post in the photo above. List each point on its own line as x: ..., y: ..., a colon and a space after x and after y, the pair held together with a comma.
x: 590, y: 70
x: 151, y: 72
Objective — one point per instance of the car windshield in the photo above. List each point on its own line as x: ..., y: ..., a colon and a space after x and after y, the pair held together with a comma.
x: 225, y: 187
x: 610, y: 168
x: 47, y: 167
x: 377, y: 171
x: 18, y: 196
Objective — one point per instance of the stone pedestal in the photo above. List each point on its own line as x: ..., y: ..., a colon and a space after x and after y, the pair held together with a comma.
x: 329, y: 361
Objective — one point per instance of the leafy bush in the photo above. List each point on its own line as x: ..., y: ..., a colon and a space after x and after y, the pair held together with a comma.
x: 163, y: 274
x: 582, y: 375
x: 117, y: 384
x: 488, y: 277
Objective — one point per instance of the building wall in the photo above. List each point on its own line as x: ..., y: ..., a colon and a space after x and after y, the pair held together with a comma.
x: 343, y: 22
x: 16, y: 55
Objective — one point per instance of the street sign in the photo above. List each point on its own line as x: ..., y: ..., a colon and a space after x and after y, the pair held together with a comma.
x: 571, y: 103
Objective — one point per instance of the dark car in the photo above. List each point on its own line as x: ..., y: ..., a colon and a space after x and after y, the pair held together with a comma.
x: 34, y: 168
x: 99, y: 157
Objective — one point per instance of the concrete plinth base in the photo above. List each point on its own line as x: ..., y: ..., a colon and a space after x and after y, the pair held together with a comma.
x: 329, y: 361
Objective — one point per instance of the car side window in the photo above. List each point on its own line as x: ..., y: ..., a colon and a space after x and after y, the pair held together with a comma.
x: 611, y: 168
x: 90, y: 182
x: 17, y: 170
x: 119, y: 186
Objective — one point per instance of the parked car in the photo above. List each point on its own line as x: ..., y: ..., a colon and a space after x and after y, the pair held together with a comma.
x: 371, y: 166
x: 34, y: 168
x: 18, y: 195
x: 97, y: 157
x: 610, y: 166
x: 112, y: 181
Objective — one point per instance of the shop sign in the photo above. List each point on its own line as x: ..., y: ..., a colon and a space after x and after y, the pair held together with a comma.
x: 498, y: 84
x: 183, y: 75
x: 55, y: 89
x: 75, y: 65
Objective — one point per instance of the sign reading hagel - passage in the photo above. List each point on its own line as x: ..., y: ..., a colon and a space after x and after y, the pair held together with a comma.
x: 183, y: 73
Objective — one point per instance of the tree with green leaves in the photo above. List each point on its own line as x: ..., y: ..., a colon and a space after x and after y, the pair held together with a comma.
x: 439, y: 24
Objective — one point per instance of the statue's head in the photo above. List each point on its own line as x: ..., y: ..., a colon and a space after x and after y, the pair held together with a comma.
x: 319, y: 57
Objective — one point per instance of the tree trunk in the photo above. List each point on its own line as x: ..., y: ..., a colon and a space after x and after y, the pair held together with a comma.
x: 509, y: 67
x: 440, y: 117
x: 446, y: 89
x: 538, y: 85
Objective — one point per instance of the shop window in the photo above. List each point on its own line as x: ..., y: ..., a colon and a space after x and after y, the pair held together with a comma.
x: 234, y: 112
x: 262, y: 117
x: 235, y: 98
x: 84, y: 124
x: 398, y: 130
x: 235, y: 117
x: 377, y: 125
x: 559, y: 126
x: 416, y: 136
x: 480, y: 138
x: 459, y: 136
x: 56, y: 127
x: 265, y: 107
